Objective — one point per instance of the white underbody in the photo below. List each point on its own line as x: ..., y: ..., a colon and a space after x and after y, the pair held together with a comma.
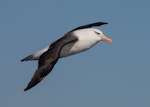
x: 86, y: 39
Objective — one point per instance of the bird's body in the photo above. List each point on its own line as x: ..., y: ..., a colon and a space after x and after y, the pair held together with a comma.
x: 75, y: 41
x: 84, y: 42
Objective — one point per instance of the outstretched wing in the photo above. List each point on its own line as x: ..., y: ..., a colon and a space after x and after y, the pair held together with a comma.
x: 90, y: 25
x: 49, y: 59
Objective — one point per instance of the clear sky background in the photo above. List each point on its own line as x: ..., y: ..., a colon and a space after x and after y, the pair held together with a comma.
x: 115, y: 75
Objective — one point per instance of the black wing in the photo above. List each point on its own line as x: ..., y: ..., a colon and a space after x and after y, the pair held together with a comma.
x: 90, y: 25
x: 49, y: 59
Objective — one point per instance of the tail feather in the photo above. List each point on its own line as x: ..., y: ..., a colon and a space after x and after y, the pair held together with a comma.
x: 30, y: 57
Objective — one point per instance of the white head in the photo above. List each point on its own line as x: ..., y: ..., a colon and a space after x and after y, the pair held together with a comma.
x: 101, y: 36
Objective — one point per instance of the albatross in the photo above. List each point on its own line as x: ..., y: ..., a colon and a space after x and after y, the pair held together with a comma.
x: 73, y: 42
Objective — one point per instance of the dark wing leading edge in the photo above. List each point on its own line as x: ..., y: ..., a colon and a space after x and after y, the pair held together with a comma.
x: 90, y: 25
x: 49, y: 59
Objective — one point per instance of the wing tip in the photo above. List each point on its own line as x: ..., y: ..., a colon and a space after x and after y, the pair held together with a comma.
x: 29, y: 86
x: 34, y: 81
x: 101, y: 23
x: 30, y: 57
x: 26, y: 89
x: 90, y: 25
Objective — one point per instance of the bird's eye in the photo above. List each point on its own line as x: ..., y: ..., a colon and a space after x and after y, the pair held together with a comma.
x: 97, y: 32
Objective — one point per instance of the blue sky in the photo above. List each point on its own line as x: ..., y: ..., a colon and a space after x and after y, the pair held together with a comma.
x: 105, y: 76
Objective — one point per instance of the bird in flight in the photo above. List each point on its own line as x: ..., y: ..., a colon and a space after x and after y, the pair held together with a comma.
x: 73, y: 42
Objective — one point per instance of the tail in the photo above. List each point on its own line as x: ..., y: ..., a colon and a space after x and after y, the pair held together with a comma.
x: 30, y: 57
